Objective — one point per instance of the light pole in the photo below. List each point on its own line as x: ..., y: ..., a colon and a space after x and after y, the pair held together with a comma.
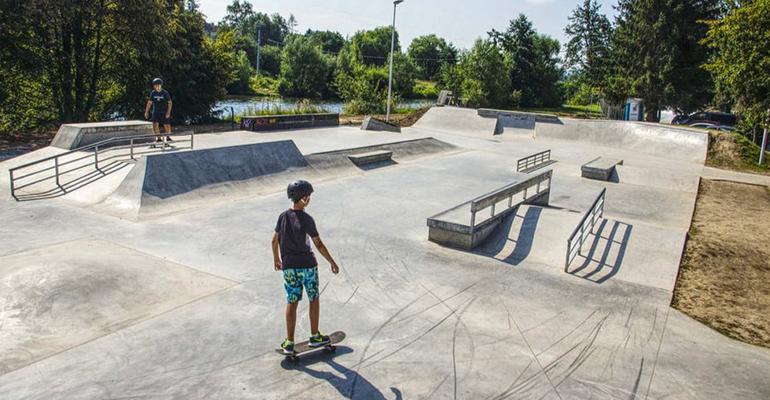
x: 392, y: 43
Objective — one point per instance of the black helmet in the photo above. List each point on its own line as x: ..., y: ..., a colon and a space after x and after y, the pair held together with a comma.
x: 157, y: 81
x: 298, y: 190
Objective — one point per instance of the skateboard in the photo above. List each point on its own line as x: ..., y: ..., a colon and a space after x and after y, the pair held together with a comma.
x: 304, y: 347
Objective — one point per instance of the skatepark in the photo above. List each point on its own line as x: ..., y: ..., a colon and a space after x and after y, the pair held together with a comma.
x: 153, y: 278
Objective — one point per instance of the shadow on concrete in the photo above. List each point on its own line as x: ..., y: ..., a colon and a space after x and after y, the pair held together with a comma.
x: 74, y: 184
x: 605, y: 258
x: 350, y: 385
x: 502, y: 239
x: 375, y: 165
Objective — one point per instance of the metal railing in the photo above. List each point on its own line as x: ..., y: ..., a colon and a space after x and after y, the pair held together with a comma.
x: 508, y: 192
x: 533, y: 160
x: 584, y: 228
x: 61, y: 166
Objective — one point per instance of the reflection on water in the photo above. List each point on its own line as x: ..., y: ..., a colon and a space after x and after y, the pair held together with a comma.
x: 245, y: 105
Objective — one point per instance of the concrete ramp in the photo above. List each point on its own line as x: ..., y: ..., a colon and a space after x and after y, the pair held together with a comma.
x: 462, y: 121
x: 654, y: 139
x: 337, y: 163
x: 165, y: 183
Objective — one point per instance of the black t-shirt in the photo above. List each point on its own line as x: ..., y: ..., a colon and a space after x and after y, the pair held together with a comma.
x: 160, y: 101
x: 295, y: 228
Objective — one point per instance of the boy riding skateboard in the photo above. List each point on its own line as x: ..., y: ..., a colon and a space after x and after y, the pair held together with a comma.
x: 298, y: 263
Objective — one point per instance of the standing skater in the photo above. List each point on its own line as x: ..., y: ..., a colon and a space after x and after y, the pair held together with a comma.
x: 298, y: 262
x: 160, y: 101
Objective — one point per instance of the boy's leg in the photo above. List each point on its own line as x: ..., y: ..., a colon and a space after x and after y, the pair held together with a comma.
x: 291, y: 320
x: 293, y: 295
x: 315, y: 310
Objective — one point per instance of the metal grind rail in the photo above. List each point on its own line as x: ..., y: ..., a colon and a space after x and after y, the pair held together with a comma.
x: 509, y: 192
x: 136, y: 145
x: 584, y: 229
x: 533, y: 160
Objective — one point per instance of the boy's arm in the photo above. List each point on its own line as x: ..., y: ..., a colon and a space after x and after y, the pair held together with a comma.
x: 276, y: 258
x: 168, y: 110
x: 325, y: 252
x: 147, y: 108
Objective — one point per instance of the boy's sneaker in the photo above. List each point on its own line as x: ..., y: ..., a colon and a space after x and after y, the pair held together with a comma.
x: 168, y: 139
x: 288, y: 347
x: 319, y: 339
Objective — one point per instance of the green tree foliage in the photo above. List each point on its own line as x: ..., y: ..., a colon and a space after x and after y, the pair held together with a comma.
x: 480, y: 79
x: 81, y: 61
x: 372, y: 48
x: 588, y: 50
x: 246, y: 25
x: 304, y: 68
x: 429, y: 53
x: 362, y: 69
x: 657, y: 50
x: 741, y: 63
x: 331, y: 42
x: 533, y: 64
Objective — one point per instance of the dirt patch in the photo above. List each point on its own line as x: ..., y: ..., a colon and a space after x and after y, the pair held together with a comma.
x: 733, y: 152
x: 724, y: 275
x: 402, y: 120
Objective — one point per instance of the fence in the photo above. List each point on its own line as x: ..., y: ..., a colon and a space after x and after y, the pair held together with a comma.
x: 584, y: 228
x: 62, y: 164
x: 533, y: 160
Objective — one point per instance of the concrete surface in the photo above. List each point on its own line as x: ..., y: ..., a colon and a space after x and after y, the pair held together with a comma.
x: 73, y: 136
x: 187, y: 304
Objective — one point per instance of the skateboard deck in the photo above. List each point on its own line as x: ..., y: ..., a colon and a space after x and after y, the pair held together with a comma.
x: 304, y: 347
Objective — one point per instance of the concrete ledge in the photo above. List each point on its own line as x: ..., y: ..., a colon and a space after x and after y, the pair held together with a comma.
x: 73, y: 136
x: 374, y: 124
x: 277, y: 122
x: 371, y: 157
x: 600, y: 168
x: 448, y: 229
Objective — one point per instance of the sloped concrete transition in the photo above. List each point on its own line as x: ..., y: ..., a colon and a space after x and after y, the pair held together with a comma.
x: 156, y: 280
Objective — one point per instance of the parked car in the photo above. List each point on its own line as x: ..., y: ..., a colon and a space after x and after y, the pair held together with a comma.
x: 706, y: 125
x: 708, y: 117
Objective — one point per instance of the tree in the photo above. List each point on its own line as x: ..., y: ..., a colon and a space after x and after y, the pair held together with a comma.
x: 80, y: 61
x: 532, y: 61
x: 304, y: 69
x: 588, y: 49
x: 657, y: 49
x: 373, y: 47
x: 741, y: 61
x: 429, y: 53
x: 331, y: 42
x: 480, y: 78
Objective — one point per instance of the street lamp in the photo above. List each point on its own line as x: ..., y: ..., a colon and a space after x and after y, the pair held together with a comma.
x: 392, y: 43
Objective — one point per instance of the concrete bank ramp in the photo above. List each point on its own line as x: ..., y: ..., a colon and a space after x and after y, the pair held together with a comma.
x: 462, y: 121
x: 166, y: 183
x: 649, y: 138
x: 337, y: 163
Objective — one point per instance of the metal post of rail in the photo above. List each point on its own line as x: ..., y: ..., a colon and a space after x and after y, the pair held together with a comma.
x: 56, y: 171
x: 492, y: 214
x: 192, y: 138
x: 132, y: 148
x: 96, y: 157
x: 13, y: 189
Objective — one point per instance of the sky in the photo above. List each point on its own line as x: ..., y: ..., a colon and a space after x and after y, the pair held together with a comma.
x: 458, y: 21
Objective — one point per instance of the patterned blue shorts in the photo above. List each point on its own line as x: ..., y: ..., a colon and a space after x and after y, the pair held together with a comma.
x: 295, y: 279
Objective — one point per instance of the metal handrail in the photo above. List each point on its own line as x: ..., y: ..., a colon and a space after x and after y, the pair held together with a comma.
x: 97, y: 151
x: 533, y: 160
x: 508, y: 192
x: 597, y: 208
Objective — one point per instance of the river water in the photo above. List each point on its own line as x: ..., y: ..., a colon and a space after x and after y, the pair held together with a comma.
x: 248, y: 105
